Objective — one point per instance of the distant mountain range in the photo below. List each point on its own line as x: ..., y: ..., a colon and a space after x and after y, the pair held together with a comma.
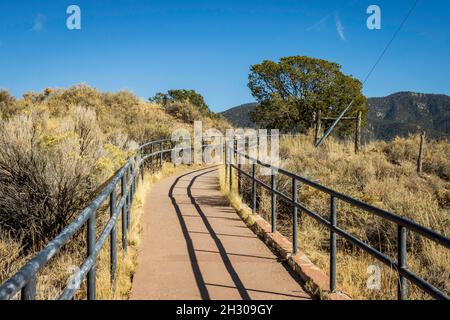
x: 398, y: 114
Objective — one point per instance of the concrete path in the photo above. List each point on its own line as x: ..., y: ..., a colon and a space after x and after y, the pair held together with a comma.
x: 194, y: 246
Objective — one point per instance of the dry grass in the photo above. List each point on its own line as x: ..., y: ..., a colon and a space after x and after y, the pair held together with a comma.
x: 54, y: 277
x: 383, y: 174
x: 128, y: 264
x: 58, y: 147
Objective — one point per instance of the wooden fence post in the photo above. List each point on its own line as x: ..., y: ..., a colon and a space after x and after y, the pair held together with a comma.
x: 420, y: 159
x: 317, y: 127
x: 358, y: 132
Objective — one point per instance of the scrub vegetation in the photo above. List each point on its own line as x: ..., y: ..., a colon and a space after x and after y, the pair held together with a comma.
x: 384, y: 175
x: 58, y: 148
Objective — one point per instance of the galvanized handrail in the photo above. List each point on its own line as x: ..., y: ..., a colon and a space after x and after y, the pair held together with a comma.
x: 402, y: 223
x: 25, y: 279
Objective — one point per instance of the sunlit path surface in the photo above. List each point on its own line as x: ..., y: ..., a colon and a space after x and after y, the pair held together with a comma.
x: 194, y: 246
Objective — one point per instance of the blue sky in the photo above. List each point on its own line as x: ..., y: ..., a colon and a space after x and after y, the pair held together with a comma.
x: 148, y: 46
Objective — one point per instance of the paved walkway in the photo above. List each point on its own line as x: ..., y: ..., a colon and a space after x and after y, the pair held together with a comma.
x: 194, y: 246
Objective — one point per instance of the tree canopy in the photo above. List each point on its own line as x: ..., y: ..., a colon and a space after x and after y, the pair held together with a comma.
x: 180, y: 95
x: 291, y: 90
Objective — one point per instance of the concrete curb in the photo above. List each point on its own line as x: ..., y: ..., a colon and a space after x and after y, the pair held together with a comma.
x: 316, y: 281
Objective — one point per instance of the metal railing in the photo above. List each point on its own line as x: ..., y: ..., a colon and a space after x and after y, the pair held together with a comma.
x: 127, y: 178
x: 152, y: 154
x: 403, y: 224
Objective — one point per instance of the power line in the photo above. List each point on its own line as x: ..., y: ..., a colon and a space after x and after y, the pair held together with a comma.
x: 392, y: 40
x: 319, y: 143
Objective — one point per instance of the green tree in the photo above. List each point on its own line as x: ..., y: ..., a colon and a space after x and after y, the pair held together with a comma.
x: 181, y: 95
x: 290, y: 91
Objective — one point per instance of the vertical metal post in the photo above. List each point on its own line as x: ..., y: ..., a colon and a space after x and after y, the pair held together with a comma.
x: 239, y: 175
x: 172, y: 154
x: 113, y: 238
x: 124, y: 215
x: 274, y: 201
x: 152, y: 156
x: 161, y: 154
x: 333, y: 222
x: 231, y: 178
x: 133, y: 190
x: 231, y: 168
x: 29, y: 290
x: 254, y: 187
x: 401, y: 256
x: 294, y: 217
x: 226, y: 161
x: 129, y: 207
x: 91, y: 253
x: 131, y: 186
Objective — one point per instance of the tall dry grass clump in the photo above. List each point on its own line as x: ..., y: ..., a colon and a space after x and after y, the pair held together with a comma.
x: 45, y: 173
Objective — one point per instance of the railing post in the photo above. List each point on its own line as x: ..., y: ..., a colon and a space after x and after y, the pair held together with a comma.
x: 226, y: 161
x: 231, y: 178
x: 161, y: 154
x: 152, y: 156
x: 333, y: 222
x: 129, y: 206
x: 231, y: 168
x: 274, y: 201
x: 294, y: 217
x: 254, y: 187
x: 131, y: 185
x: 29, y: 290
x: 401, y: 255
x: 113, y: 239
x: 134, y: 187
x: 91, y: 277
x: 124, y: 214
x: 239, y: 159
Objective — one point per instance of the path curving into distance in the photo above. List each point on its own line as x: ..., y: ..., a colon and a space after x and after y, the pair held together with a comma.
x: 195, y: 246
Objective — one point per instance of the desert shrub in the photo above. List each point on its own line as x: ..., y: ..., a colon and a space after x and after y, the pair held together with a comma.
x: 436, y: 158
x: 11, y: 255
x: 183, y: 110
x: 47, y: 172
x: 40, y: 176
x: 7, y: 104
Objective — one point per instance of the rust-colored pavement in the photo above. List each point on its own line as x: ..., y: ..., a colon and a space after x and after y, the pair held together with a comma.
x: 195, y: 246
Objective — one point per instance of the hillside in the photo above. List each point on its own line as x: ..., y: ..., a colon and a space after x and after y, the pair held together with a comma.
x: 240, y: 116
x: 407, y: 112
x: 398, y: 114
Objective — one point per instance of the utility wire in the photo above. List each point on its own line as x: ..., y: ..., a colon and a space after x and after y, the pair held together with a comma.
x: 392, y: 40
x: 320, y: 142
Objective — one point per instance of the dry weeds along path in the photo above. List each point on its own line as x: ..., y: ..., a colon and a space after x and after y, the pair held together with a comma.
x: 194, y: 246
